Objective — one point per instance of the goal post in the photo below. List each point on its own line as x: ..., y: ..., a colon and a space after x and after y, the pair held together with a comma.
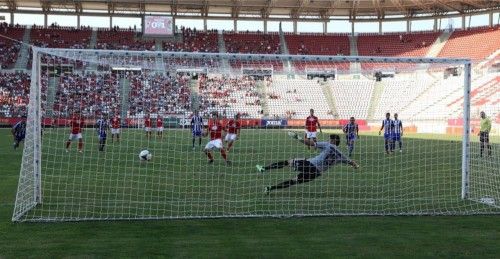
x: 101, y: 177
x: 29, y: 192
x: 466, y: 131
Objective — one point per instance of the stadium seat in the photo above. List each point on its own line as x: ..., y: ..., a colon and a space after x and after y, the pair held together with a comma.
x: 194, y: 41
x: 256, y: 43
x: 294, y: 98
x: 352, y: 97
x: 9, y: 48
x: 390, y: 45
x: 122, y: 39
x: 476, y: 44
x: 61, y: 37
x: 229, y: 96
x: 317, y: 44
x: 14, y: 92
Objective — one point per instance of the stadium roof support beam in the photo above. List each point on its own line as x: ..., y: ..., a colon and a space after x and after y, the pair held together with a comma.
x: 354, y: 10
x: 473, y: 4
x: 441, y: 14
x: 266, y: 11
x: 398, y: 4
x: 78, y: 7
x: 236, y: 8
x: 111, y: 8
x: 205, y: 9
x: 11, y: 5
x: 490, y: 19
x: 299, y: 7
x: 378, y: 9
x: 331, y: 8
x: 449, y: 7
x: 421, y: 5
x: 46, y: 6
x: 173, y: 7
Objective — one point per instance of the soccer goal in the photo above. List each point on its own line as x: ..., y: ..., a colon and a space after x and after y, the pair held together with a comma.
x: 92, y: 112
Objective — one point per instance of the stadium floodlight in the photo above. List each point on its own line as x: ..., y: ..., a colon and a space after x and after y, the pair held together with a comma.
x: 72, y: 90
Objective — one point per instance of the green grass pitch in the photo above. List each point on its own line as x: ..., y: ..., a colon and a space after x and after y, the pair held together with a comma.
x: 86, y: 181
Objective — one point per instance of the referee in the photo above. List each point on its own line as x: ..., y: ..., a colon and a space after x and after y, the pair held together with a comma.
x: 484, y: 133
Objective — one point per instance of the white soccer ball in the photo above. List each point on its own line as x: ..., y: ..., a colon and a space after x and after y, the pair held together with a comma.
x: 145, y: 155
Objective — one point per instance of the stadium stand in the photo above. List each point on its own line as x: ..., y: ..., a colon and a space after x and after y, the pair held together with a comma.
x: 184, y: 63
x: 9, y: 48
x: 320, y: 66
x: 391, y: 45
x: 317, y: 44
x: 293, y: 98
x: 194, y: 41
x: 352, y: 97
x: 485, y: 96
x: 464, y: 43
x: 406, y: 90
x: 14, y: 89
x: 61, y: 37
x: 237, y: 65
x: 229, y: 95
x: 420, y: 97
x: 432, y: 103
x: 394, y: 45
x: 158, y: 94
x: 117, y: 38
x: 255, y: 43
x: 91, y: 94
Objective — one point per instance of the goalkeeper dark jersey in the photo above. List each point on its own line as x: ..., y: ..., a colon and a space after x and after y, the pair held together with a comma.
x: 19, y: 130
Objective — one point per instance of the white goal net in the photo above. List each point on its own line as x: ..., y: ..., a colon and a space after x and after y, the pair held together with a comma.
x: 92, y: 112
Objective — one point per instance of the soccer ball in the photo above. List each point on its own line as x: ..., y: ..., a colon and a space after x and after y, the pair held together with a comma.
x: 145, y: 155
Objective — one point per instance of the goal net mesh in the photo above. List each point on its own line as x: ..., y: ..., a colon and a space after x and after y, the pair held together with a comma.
x: 273, y: 95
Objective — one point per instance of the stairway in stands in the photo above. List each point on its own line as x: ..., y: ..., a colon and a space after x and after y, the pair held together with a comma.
x: 93, y: 44
x: 24, y: 53
x: 375, y: 100
x: 158, y: 44
x: 93, y: 38
x: 287, y: 66
x: 438, y: 45
x: 125, y: 91
x: 327, y: 91
x: 261, y: 89
x: 195, y: 96
x: 51, y: 96
x: 222, y: 49
x: 353, y: 42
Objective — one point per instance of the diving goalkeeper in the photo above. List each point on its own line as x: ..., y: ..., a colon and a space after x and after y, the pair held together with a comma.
x: 309, y: 169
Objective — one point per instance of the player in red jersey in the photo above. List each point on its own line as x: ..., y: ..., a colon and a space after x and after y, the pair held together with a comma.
x: 147, y: 126
x: 215, y: 129
x: 159, y: 127
x: 233, y: 128
x: 115, y: 128
x: 76, y: 124
x: 312, y: 124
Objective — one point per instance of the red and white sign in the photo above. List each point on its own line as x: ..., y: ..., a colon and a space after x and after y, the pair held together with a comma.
x: 158, y: 25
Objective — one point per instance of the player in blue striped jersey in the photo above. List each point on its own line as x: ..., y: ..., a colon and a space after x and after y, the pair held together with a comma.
x: 351, y: 130
x: 19, y: 132
x: 102, y: 126
x: 398, y: 133
x: 197, y: 128
x: 387, y: 126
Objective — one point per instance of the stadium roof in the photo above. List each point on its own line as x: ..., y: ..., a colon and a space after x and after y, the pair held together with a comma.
x: 258, y: 9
